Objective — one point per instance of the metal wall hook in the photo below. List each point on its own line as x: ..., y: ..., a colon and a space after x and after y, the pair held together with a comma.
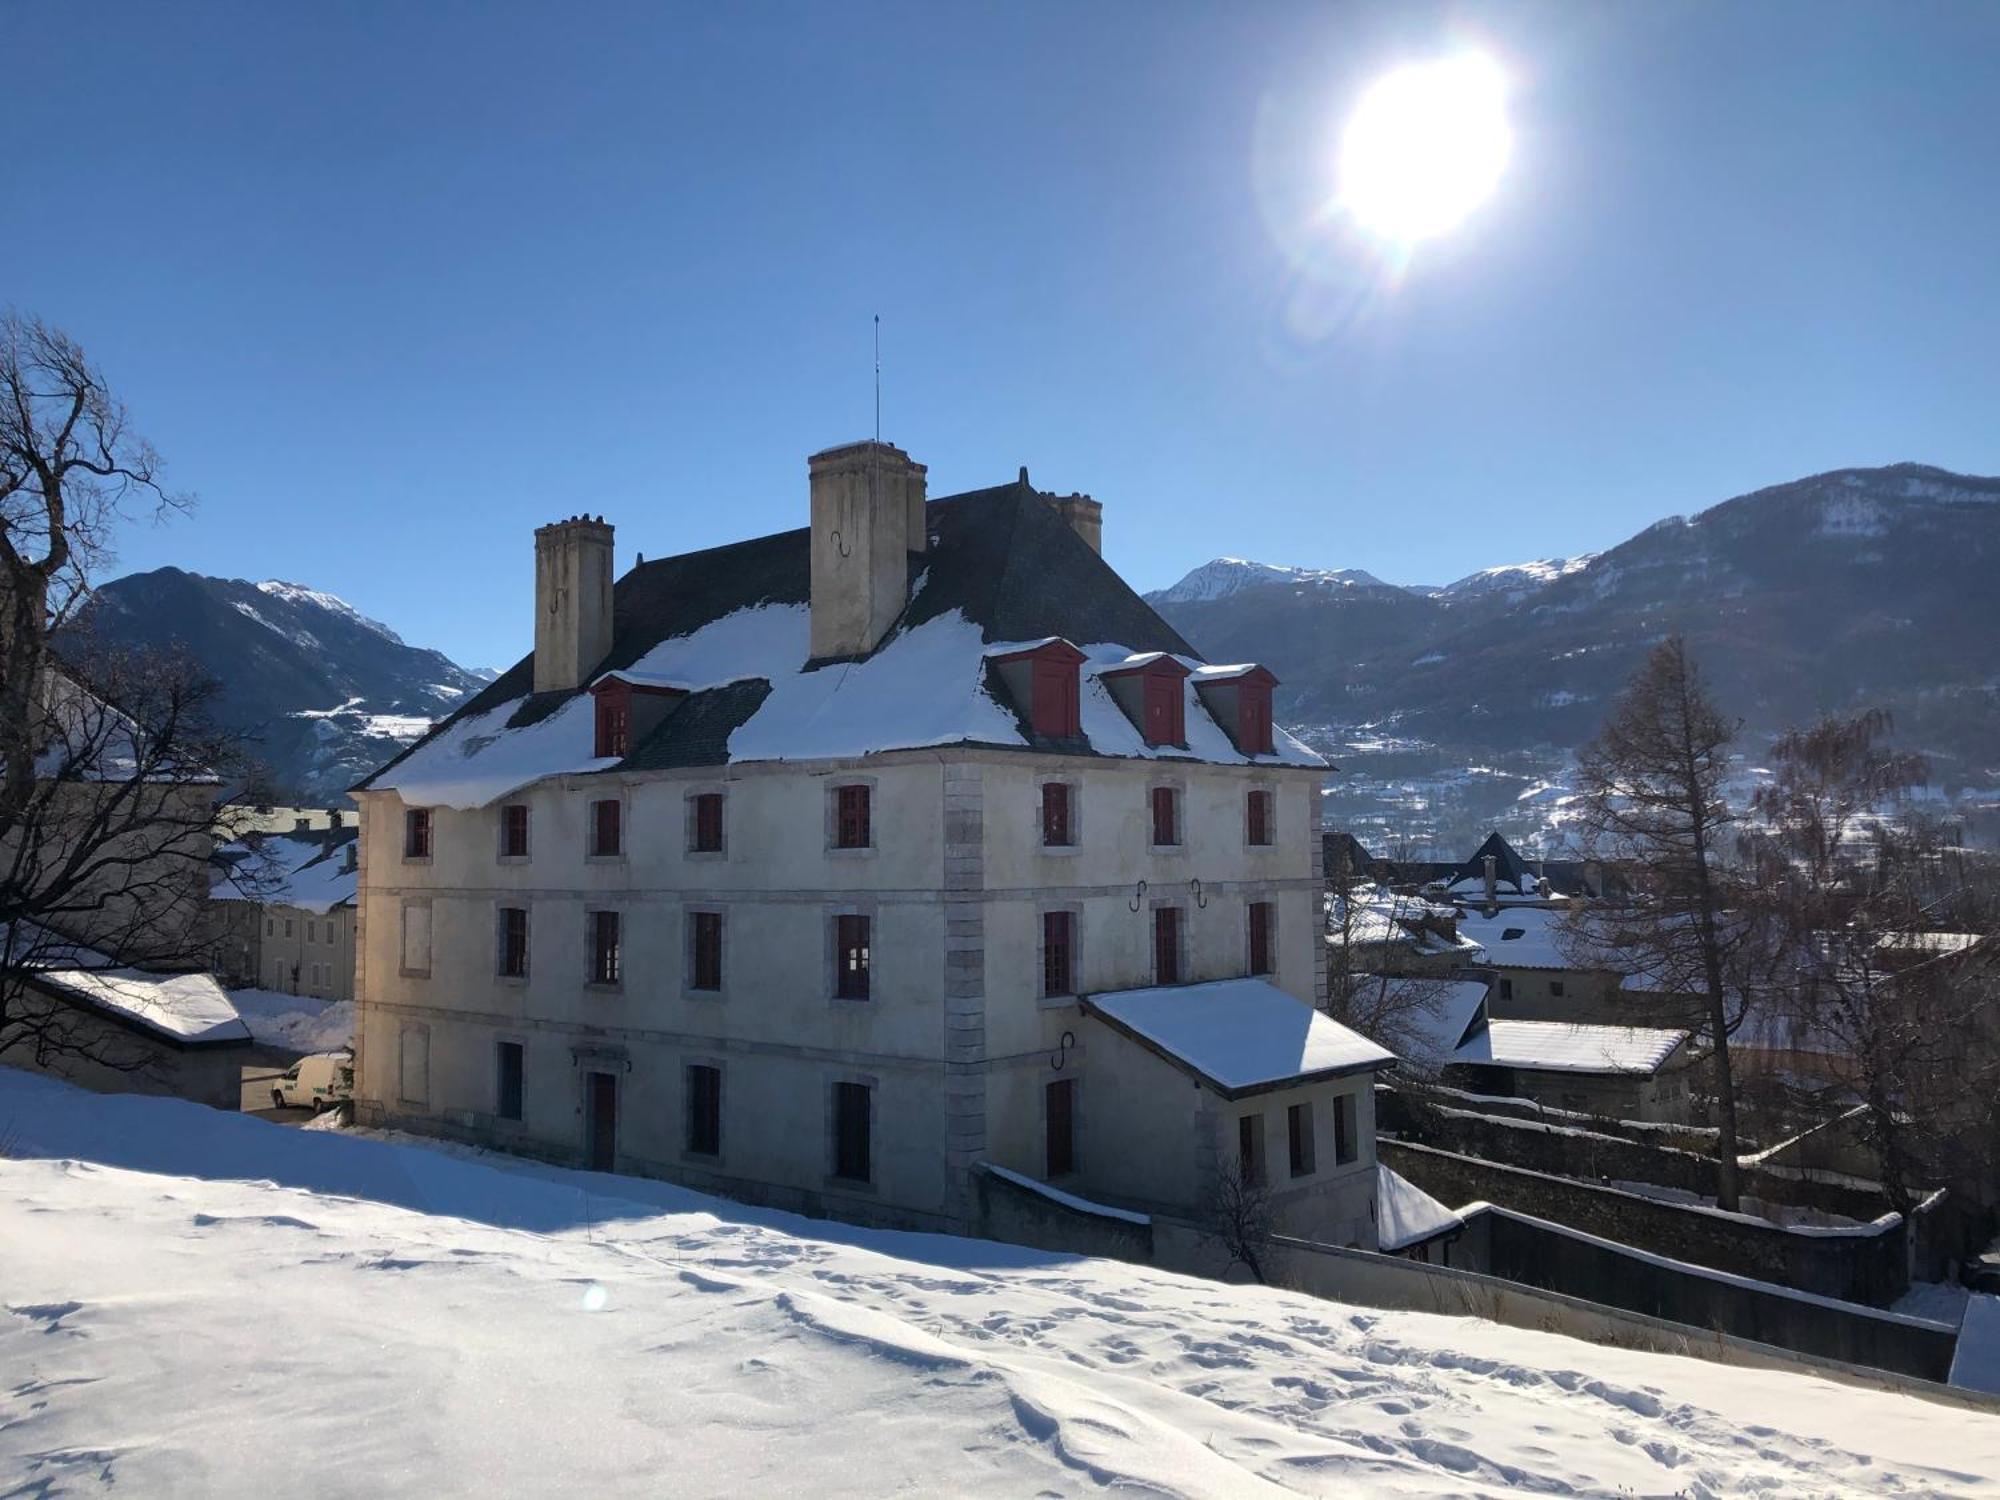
x: 1062, y: 1049
x: 840, y: 545
x: 1200, y: 899
x: 1138, y: 898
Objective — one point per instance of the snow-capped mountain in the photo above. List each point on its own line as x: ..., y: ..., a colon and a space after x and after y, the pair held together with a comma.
x: 1225, y: 576
x: 1860, y: 587
x: 329, y: 693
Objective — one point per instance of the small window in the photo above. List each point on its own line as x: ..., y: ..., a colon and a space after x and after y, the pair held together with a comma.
x: 704, y: 1110
x: 1346, y: 1141
x: 1250, y: 1150
x: 850, y: 958
x: 288, y: 927
x: 1260, y: 937
x: 1299, y: 1131
x: 1166, y: 945
x: 329, y: 933
x: 614, y: 724
x: 417, y: 833
x: 1165, y: 709
x: 1060, y: 1106
x: 1058, y: 827
x: 514, y: 831
x: 1506, y: 989
x: 705, y: 950
x: 705, y: 834
x: 1556, y: 988
x: 1257, y: 817
x: 1166, y: 816
x: 607, y: 831
x: 513, y: 942
x: 604, y: 947
x: 1253, y: 718
x: 270, y: 927
x: 1058, y: 953
x: 1508, y: 934
x: 852, y: 828
x: 312, y: 930
x: 507, y: 1101
x: 853, y: 1154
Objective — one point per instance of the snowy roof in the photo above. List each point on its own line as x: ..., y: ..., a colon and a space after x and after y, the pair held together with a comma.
x: 1511, y: 874
x: 191, y: 1009
x: 1519, y: 937
x: 1405, y: 1214
x: 1440, y: 1013
x: 1560, y: 1047
x: 311, y: 870
x: 1237, y: 1035
x: 732, y: 625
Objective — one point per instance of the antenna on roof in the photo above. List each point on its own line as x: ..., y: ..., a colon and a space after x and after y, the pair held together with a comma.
x: 878, y: 377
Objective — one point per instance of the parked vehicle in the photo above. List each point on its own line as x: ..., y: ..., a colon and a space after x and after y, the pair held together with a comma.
x: 318, y: 1081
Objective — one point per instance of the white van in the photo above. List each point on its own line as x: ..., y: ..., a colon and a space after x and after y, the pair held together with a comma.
x: 320, y: 1081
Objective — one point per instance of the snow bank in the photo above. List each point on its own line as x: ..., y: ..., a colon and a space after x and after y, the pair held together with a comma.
x: 298, y: 1022
x: 199, y: 1303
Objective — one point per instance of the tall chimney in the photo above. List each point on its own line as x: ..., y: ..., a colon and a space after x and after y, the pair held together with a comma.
x: 1492, y: 881
x: 867, y: 518
x: 1085, y: 516
x: 572, y: 601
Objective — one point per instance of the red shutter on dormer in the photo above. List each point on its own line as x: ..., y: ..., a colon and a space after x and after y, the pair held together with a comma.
x: 1055, y: 710
x: 1165, y: 715
x: 614, y: 720
x: 1253, y: 718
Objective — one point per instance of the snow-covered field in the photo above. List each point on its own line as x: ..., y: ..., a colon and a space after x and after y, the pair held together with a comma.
x: 202, y: 1304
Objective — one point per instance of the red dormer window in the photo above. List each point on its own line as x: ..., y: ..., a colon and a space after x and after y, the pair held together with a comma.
x: 1044, y: 680
x: 614, y: 720
x: 1253, y: 714
x: 1165, y: 713
x: 1151, y: 693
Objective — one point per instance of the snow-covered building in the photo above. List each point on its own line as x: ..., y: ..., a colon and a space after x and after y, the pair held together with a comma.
x: 1620, y: 1072
x: 821, y: 868
x: 284, y: 903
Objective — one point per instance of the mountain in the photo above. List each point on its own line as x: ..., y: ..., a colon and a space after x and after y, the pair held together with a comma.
x: 1860, y: 587
x: 1228, y: 576
x: 328, y: 693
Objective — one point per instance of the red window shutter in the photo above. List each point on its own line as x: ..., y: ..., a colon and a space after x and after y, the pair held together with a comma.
x: 614, y: 720
x: 1055, y: 814
x: 1253, y: 718
x: 1055, y: 709
x: 1058, y: 950
x: 607, y: 835
x: 1166, y: 945
x: 1165, y: 713
x: 851, y: 958
x: 514, y: 830
x: 852, y: 821
x: 1166, y: 815
x: 708, y: 823
x: 1260, y: 937
x: 1258, y: 816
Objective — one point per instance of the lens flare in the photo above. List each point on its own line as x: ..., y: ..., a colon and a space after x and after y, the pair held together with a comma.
x: 1426, y: 145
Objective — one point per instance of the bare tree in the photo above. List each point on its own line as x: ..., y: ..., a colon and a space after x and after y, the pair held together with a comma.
x: 1237, y: 1212
x: 1651, y: 794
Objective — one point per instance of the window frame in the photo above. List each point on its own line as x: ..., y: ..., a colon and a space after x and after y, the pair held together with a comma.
x: 1300, y: 1143
x: 1346, y: 1129
x: 699, y: 919
x: 419, y: 835
x: 1176, y: 810
x: 503, y: 947
x: 594, y: 948
x: 690, y: 1136
x: 520, y: 1053
x: 840, y: 820
x: 1169, y: 915
x: 595, y: 849
x: 1254, y: 798
x: 1258, y: 913
x: 1069, y: 918
x: 847, y: 987
x: 698, y: 803
x: 1070, y: 798
x: 1251, y: 1167
x: 1059, y: 1164
x: 508, y: 854
x: 840, y: 1109
x: 403, y: 965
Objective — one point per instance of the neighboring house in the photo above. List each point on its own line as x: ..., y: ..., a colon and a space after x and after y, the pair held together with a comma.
x: 285, y: 909
x: 1374, y: 930
x: 1535, y: 975
x: 1433, y: 1016
x: 1620, y: 1072
x: 821, y: 868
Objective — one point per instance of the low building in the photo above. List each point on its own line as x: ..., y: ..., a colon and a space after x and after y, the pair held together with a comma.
x: 1619, y: 1072
x: 285, y: 909
x: 1537, y: 975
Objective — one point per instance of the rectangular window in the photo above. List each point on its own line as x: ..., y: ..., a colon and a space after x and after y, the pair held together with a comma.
x: 1506, y: 989
x: 1057, y: 828
x: 614, y: 724
x: 606, y: 827
x: 1257, y: 817
x: 851, y: 818
x: 1260, y: 937
x: 1166, y: 815
x: 1166, y: 945
x: 417, y: 937
x: 1346, y: 1141
x: 1055, y: 709
x: 1556, y: 988
x: 507, y: 1101
x: 270, y: 927
x: 1299, y: 1130
x: 288, y: 927
x: 850, y: 958
x: 329, y: 934
x: 1060, y: 1098
x: 514, y: 831
x: 1250, y: 1150
x: 707, y: 832
x: 853, y: 1155
x: 312, y: 934
x: 604, y: 955
x: 513, y: 942
x: 704, y: 1110
x: 1058, y: 953
x: 417, y: 833
x: 705, y: 950
x: 1165, y: 709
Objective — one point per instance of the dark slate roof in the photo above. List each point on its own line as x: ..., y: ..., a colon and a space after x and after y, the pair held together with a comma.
x: 1508, y: 866
x: 1003, y: 556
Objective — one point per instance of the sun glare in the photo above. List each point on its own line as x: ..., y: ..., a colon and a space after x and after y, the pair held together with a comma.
x: 1425, y: 147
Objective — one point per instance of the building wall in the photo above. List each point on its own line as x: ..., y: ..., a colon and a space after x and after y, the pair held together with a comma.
x: 1585, y: 996
x: 956, y: 1039
x: 296, y: 951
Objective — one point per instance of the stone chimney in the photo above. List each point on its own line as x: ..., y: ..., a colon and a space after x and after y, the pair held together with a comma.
x: 1085, y: 516
x: 572, y: 601
x: 867, y: 518
x: 1492, y: 879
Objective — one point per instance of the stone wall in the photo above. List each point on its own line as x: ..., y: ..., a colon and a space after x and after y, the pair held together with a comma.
x: 1004, y: 1210
x: 1867, y: 1264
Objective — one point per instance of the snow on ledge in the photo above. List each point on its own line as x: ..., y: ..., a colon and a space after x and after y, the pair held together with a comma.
x: 1067, y: 1200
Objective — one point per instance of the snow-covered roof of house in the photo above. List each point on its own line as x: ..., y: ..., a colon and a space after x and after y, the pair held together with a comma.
x: 1438, y: 1015
x: 1511, y: 875
x: 1519, y: 937
x: 731, y: 627
x: 1405, y: 1214
x: 1927, y: 944
x: 1560, y: 1047
x: 1372, y: 915
x: 190, y: 1009
x: 313, y: 870
x: 1239, y: 1036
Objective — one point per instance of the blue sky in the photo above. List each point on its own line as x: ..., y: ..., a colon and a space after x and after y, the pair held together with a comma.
x: 389, y: 285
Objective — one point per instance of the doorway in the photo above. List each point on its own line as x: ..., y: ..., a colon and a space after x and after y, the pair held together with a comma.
x: 600, y: 1121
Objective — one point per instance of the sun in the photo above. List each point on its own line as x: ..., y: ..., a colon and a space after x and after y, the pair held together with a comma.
x: 1425, y: 146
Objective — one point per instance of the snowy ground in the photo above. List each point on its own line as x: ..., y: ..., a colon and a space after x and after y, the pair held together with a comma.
x: 380, y: 1317
x: 299, y: 1022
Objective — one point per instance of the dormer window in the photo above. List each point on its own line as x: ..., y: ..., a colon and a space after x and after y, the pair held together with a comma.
x: 614, y: 722
x: 1239, y: 699
x: 1043, y: 681
x: 628, y: 711
x: 1151, y: 694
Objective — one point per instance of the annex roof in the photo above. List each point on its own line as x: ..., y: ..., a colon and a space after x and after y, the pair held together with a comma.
x: 189, y: 1009
x: 1519, y: 937
x: 1439, y: 1015
x: 1561, y: 1047
x: 731, y: 626
x: 1238, y: 1036
x: 1406, y: 1215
